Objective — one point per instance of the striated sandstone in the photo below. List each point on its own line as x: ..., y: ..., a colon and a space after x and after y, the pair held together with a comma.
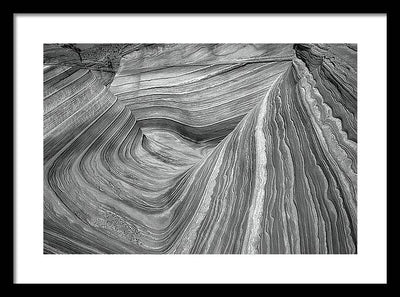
x: 200, y: 148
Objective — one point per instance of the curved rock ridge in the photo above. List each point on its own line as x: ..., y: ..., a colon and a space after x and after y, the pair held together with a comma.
x: 73, y: 98
x: 201, y: 90
x: 334, y: 67
x: 204, y: 149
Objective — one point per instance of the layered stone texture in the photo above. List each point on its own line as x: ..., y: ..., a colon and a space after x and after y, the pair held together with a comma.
x: 201, y: 148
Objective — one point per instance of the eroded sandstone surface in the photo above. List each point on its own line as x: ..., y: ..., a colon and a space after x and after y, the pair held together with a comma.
x: 200, y: 148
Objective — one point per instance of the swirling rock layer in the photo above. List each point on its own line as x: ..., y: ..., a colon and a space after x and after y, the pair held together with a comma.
x: 200, y: 148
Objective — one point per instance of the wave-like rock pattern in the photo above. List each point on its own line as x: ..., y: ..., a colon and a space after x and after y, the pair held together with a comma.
x: 203, y: 148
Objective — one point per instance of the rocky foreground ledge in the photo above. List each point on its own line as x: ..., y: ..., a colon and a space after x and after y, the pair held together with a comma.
x: 200, y: 148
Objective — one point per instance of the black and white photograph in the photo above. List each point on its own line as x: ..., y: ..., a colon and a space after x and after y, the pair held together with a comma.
x: 200, y: 148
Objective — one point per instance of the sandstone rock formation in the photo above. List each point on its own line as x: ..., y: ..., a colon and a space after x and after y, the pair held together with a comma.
x: 200, y: 148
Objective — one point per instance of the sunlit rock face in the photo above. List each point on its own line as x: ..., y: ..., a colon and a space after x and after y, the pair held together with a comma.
x: 200, y: 148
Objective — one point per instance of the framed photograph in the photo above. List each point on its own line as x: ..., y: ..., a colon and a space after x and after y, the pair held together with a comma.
x: 200, y: 148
